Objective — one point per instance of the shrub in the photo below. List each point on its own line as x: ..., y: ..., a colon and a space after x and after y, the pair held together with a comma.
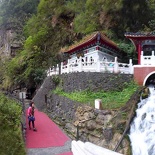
x: 11, y: 142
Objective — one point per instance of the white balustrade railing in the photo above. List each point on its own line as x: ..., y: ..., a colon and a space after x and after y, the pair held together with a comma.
x: 147, y: 60
x: 87, y: 148
x: 99, y: 66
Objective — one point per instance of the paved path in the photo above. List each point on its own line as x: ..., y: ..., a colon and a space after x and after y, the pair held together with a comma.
x: 49, y: 139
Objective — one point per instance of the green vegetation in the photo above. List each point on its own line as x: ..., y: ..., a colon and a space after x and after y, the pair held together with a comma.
x: 16, y: 11
x: 11, y: 142
x: 110, y: 100
x: 44, y: 27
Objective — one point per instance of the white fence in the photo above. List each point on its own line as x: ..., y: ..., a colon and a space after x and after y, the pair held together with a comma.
x: 99, y: 66
x: 87, y: 148
x: 148, y: 60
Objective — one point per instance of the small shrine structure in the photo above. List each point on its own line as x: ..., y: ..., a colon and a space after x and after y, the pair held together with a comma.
x: 144, y: 71
x: 94, y: 53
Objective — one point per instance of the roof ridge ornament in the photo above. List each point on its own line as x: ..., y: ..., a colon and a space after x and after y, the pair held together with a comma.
x: 98, y: 37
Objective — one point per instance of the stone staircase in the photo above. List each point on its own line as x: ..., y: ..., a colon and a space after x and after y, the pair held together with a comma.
x: 87, y: 148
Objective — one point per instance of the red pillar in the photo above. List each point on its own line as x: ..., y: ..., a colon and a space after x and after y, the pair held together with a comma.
x: 139, y: 52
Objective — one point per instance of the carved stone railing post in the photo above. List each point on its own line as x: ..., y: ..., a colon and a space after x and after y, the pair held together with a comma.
x: 116, y: 69
x: 130, y: 66
x: 98, y: 66
x: 61, y: 71
x: 68, y: 66
x: 80, y: 64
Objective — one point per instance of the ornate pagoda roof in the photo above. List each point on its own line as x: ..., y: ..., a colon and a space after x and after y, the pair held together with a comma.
x: 88, y: 40
x: 140, y: 35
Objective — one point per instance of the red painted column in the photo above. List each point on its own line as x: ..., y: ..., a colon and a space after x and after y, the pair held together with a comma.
x: 139, y: 52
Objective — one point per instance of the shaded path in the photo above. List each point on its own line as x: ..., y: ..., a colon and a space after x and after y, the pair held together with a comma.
x: 48, y: 139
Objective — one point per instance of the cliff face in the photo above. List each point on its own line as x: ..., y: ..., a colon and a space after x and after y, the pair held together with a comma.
x: 11, y: 40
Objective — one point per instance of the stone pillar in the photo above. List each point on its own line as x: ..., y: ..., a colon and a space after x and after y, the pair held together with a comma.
x: 116, y: 69
x: 68, y: 66
x: 98, y: 104
x: 130, y: 66
x: 80, y: 64
x: 49, y: 72
x: 98, y: 66
x: 57, y: 69
x: 152, y: 53
x: 61, y: 68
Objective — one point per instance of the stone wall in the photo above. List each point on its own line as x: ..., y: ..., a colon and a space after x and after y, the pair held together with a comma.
x: 40, y: 99
x: 86, y: 123
x: 94, y: 81
x: 80, y: 81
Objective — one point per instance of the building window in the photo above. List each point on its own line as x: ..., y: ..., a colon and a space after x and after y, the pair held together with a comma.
x: 147, y: 53
x: 91, y: 60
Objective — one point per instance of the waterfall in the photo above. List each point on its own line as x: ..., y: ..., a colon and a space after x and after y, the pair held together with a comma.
x: 142, y: 129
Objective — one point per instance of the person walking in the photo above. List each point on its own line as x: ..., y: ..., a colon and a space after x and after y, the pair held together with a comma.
x: 31, y: 117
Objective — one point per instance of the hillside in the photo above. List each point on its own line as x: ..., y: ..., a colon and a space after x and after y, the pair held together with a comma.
x: 33, y: 32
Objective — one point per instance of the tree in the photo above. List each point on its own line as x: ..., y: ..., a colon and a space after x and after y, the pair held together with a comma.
x: 17, y: 10
x: 58, y: 23
x: 132, y: 16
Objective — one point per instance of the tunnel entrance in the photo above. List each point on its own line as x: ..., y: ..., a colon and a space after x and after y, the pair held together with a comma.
x: 30, y: 93
x: 150, y: 80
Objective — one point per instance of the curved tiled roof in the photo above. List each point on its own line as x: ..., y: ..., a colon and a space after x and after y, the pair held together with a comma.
x: 140, y: 34
x: 87, y: 39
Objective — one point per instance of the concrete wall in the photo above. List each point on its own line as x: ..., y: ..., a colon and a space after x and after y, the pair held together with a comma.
x: 141, y: 72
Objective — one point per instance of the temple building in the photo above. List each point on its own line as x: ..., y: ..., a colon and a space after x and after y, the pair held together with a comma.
x: 94, y: 47
x: 94, y: 53
x: 145, y: 46
x: 144, y: 71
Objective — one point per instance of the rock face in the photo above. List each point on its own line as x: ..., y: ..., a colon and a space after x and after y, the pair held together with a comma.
x: 99, y: 129
x: 84, y: 122
x: 11, y: 40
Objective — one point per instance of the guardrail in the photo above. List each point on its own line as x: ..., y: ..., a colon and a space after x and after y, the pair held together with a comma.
x: 99, y: 66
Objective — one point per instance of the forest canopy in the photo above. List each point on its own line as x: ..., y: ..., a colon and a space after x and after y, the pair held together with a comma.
x: 49, y: 25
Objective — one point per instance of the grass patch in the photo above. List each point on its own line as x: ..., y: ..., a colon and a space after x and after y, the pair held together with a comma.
x: 110, y: 100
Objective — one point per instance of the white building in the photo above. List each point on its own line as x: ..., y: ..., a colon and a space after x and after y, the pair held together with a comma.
x: 94, y: 53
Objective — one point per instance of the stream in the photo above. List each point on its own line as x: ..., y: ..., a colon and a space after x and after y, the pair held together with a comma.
x: 142, y: 129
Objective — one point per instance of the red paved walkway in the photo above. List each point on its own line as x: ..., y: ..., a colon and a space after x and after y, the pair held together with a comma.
x: 47, y: 135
